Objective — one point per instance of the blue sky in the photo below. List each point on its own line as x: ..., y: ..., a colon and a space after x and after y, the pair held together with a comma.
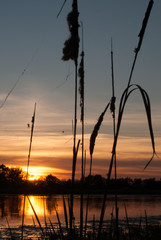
x: 32, y: 38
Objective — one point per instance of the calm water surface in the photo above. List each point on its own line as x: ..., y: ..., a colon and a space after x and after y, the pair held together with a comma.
x: 11, y: 208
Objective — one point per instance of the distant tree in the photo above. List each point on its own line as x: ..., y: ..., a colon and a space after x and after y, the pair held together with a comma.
x: 137, y: 182
x: 3, y: 173
x: 15, y: 175
x: 50, y: 180
x: 149, y: 183
x: 95, y: 180
x: 11, y: 175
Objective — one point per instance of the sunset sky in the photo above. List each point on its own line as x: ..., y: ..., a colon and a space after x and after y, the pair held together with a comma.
x: 31, y: 42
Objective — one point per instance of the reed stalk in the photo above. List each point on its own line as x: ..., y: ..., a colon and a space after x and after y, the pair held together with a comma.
x: 127, y: 221
x: 112, y: 108
x: 84, y: 170
x: 86, y: 217
x: 121, y: 110
x: 70, y: 51
x: 35, y: 214
x: 52, y: 227
x: 94, y: 135
x: 60, y: 227
x: 28, y: 162
x: 65, y: 213
x: 61, y: 8
x: 146, y: 220
x: 35, y: 226
x: 46, y: 226
x: 75, y: 152
x: 111, y: 223
x: 94, y: 227
x: 81, y: 91
x: 92, y: 145
x: 11, y: 235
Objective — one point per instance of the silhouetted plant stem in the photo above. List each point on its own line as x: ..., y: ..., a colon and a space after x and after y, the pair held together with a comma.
x: 60, y: 227
x: 95, y: 133
x: 23, y: 216
x: 123, y: 102
x: 111, y: 223
x: 70, y: 51
x: 81, y: 91
x: 112, y: 104
x: 112, y: 108
x: 35, y: 214
x: 141, y: 35
x: 86, y: 217
x: 84, y: 170
x: 52, y: 227
x: 146, y: 219
x: 46, y: 226
x: 94, y: 226
x: 72, y: 193
x: 32, y: 131
x: 121, y: 110
x: 92, y: 145
x: 34, y: 226
x: 28, y: 162
x: 74, y: 148
x: 11, y: 235
x: 61, y: 8
x: 65, y: 213
x: 90, y: 168
x: 127, y: 221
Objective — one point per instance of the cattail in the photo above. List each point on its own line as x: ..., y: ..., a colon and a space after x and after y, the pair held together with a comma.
x: 145, y: 21
x: 96, y: 129
x: 141, y: 35
x: 71, y: 45
x: 81, y: 84
x: 70, y: 51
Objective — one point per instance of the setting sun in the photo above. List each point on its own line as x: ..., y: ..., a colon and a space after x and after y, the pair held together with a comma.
x: 39, y: 172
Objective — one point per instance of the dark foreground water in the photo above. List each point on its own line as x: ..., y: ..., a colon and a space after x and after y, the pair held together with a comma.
x: 11, y: 209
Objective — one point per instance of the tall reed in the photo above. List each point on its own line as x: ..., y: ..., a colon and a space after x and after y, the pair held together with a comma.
x: 81, y: 91
x: 92, y: 145
x: 70, y: 51
x: 127, y: 221
x: 123, y: 101
x: 28, y: 162
x: 112, y: 108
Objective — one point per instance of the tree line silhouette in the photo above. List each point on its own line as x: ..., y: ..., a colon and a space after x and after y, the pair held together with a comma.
x: 12, y: 180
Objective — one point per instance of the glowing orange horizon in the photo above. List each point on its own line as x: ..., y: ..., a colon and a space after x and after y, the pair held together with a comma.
x: 36, y: 173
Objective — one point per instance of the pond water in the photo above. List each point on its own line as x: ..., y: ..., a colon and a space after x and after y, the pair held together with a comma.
x: 11, y: 210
